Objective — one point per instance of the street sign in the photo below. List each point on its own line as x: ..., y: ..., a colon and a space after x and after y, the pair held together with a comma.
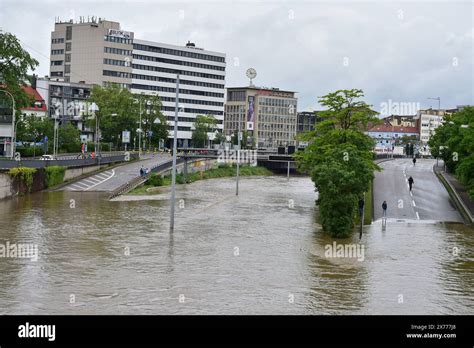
x: 126, y: 137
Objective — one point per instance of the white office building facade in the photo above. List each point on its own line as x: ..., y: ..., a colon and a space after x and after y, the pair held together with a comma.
x: 201, y: 88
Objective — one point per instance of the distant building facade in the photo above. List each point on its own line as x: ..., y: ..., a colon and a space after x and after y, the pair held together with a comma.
x: 96, y: 51
x: 268, y: 114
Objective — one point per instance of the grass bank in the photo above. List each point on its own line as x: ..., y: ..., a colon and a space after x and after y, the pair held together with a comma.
x: 157, y: 180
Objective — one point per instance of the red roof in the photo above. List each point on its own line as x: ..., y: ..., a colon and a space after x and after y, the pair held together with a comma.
x: 37, y: 99
x: 387, y: 128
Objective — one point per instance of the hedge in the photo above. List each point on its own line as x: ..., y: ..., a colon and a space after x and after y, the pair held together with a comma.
x: 54, y: 175
x: 23, y: 174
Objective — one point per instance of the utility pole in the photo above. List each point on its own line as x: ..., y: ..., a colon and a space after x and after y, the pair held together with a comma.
x: 140, y: 132
x: 238, y: 157
x: 175, y: 144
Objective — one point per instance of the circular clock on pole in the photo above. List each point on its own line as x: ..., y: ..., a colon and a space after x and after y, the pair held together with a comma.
x: 251, y: 74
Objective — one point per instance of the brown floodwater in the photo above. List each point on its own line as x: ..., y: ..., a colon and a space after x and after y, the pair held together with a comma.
x: 259, y: 253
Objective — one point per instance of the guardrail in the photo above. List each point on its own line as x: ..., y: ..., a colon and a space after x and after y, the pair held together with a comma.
x: 70, y: 163
x: 135, y: 182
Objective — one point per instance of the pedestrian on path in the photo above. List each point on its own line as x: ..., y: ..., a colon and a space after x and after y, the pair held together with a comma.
x: 414, y: 161
x: 410, y: 182
x: 142, y: 171
x: 384, y: 209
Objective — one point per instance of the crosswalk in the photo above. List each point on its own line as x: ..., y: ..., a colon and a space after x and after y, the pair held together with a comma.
x: 92, y: 181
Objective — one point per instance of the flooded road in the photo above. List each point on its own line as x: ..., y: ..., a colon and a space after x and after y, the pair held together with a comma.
x: 260, y: 253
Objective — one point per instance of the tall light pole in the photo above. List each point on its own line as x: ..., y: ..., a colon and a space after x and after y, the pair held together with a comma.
x: 13, y: 140
x: 94, y: 108
x: 239, y: 134
x: 175, y: 144
x: 140, y: 132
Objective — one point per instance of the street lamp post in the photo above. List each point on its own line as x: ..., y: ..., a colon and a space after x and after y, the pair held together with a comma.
x: 175, y: 144
x: 239, y: 134
x: 13, y: 140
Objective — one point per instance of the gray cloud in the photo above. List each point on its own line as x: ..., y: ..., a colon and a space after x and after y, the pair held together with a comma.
x: 399, y: 51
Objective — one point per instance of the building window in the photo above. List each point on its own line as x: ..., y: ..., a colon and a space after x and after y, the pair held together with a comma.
x: 68, y: 46
x: 68, y: 57
x: 53, y: 52
x: 57, y: 41
x: 56, y: 62
x: 67, y: 68
x: 69, y: 33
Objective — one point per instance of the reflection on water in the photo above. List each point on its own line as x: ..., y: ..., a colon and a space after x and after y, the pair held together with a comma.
x: 259, y: 253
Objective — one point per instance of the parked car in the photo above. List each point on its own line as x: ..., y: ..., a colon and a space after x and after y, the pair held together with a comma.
x: 47, y: 157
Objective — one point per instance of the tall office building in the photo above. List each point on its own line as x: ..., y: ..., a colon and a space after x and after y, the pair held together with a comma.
x: 96, y: 51
x: 268, y: 114
x: 93, y: 51
x: 201, y: 84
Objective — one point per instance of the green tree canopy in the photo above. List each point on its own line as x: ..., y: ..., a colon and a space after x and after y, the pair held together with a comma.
x: 202, y: 125
x: 120, y: 110
x: 454, y: 143
x: 339, y: 158
x: 14, y: 65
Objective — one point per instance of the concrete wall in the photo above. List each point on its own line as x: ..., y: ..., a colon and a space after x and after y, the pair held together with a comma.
x: 5, y: 186
x: 75, y: 172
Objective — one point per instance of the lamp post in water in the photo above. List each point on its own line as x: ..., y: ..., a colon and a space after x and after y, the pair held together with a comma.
x: 175, y: 144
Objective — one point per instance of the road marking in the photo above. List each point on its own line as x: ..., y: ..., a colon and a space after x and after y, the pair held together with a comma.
x: 113, y: 173
x: 76, y: 185
x: 94, y: 179
x: 413, y: 203
x: 417, y: 216
x: 411, y: 193
x: 101, y: 176
x: 91, y: 182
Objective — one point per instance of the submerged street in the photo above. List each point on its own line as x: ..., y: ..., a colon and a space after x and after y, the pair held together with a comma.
x: 259, y: 253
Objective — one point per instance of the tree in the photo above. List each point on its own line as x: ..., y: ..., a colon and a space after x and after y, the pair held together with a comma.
x: 34, y: 129
x: 69, y: 138
x: 14, y: 65
x: 243, y: 141
x: 339, y: 158
x: 454, y: 143
x: 220, y: 138
x: 154, y: 123
x: 120, y: 110
x: 202, y: 125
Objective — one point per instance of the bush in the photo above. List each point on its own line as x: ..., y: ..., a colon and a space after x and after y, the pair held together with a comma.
x: 155, y: 180
x: 54, y: 175
x: 23, y: 174
x: 30, y: 151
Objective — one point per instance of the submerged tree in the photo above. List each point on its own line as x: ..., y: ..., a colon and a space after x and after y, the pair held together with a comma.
x: 339, y: 158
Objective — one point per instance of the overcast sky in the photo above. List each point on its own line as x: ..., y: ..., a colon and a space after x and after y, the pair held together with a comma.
x: 398, y: 51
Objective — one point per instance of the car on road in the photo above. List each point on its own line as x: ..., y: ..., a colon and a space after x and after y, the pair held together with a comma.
x: 46, y: 157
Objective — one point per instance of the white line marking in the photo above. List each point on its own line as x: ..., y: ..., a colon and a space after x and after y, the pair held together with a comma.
x: 77, y: 186
x: 90, y: 181
x: 411, y: 193
x: 417, y: 216
x: 413, y: 203
x: 81, y: 183
x: 94, y: 179
x: 101, y: 176
x: 113, y: 173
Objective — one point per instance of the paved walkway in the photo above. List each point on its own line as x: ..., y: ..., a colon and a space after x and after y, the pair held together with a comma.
x: 110, y: 180
x: 428, y: 199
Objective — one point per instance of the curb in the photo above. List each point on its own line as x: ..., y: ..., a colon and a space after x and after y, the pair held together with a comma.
x: 455, y: 197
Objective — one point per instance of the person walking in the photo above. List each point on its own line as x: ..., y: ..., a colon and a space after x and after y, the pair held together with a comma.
x: 384, y: 209
x: 410, y: 182
x: 414, y: 161
x: 142, y: 171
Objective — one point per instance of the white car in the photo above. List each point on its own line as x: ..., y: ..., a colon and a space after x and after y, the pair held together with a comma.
x: 47, y: 157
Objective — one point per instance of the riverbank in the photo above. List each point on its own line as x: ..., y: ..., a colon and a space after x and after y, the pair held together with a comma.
x: 156, y: 180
